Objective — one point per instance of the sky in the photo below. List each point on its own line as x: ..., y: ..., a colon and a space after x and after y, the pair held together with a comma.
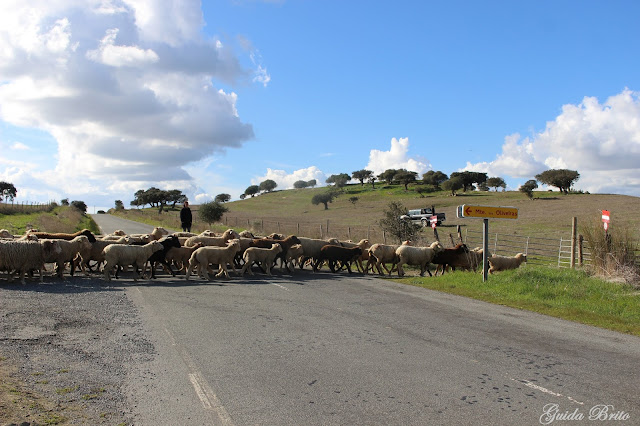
x: 102, y: 98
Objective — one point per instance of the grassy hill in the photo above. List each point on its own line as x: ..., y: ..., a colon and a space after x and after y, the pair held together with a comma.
x: 549, y: 213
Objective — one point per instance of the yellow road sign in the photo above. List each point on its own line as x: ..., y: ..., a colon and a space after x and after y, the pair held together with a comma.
x: 488, y: 212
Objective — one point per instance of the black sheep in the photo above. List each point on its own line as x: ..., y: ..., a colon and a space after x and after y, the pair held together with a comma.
x: 167, y: 242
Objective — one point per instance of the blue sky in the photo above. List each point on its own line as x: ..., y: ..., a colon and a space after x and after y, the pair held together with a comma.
x: 100, y: 98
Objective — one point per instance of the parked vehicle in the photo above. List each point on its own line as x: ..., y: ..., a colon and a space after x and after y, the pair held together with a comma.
x: 423, y: 216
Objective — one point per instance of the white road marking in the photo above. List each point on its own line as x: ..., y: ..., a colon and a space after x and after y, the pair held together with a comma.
x: 545, y: 390
x: 207, y: 396
x: 205, y: 393
x: 281, y: 286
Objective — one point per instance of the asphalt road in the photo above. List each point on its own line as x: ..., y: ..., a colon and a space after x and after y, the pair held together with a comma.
x: 337, y: 349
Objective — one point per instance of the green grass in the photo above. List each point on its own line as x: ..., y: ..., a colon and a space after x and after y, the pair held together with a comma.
x: 548, y: 215
x: 60, y: 219
x: 561, y: 293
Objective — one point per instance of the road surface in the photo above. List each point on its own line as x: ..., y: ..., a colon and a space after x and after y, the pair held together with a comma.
x: 323, y: 349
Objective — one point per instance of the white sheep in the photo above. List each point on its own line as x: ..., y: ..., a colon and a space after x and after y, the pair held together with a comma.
x: 157, y: 233
x: 246, y: 234
x: 220, y: 241
x: 25, y: 256
x: 265, y: 256
x: 184, y: 234
x: 294, y: 257
x: 204, y: 256
x: 180, y: 256
x: 69, y: 249
x: 380, y: 255
x: 125, y: 255
x: 140, y: 238
x: 97, y: 251
x: 502, y: 263
x: 417, y: 256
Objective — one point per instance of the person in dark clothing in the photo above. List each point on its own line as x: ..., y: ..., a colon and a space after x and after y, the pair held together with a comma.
x: 185, y: 217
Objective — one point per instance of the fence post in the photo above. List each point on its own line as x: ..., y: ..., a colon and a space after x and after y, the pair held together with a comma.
x: 459, y: 231
x: 580, y: 253
x: 321, y: 234
x: 348, y: 232
x: 298, y: 228
x: 574, y: 227
x: 384, y: 237
x: 327, y: 227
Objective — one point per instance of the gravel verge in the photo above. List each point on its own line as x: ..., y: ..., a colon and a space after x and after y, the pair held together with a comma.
x: 66, y: 348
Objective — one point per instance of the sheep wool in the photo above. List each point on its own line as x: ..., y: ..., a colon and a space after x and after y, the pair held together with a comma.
x: 125, y: 255
x: 502, y: 263
x: 24, y: 256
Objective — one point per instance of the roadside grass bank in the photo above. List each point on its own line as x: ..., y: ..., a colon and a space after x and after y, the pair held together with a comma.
x: 59, y: 219
x: 562, y: 293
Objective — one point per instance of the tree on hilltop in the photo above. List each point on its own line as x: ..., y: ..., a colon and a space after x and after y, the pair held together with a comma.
x: 434, y: 178
x: 362, y: 175
x: 252, y: 190
x: 339, y: 180
x: 562, y: 179
x: 7, y: 191
x: 268, y: 185
x: 496, y: 182
x: 405, y: 177
x: 453, y: 184
x: 387, y: 176
x: 528, y: 188
x: 222, y: 198
x: 470, y: 178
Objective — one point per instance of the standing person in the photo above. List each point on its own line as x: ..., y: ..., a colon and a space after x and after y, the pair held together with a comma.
x: 185, y: 217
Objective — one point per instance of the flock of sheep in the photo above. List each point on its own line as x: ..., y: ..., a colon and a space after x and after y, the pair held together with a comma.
x: 189, y: 253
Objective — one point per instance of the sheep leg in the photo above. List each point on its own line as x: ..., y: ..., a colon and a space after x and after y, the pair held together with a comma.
x: 348, y: 264
x: 222, y: 270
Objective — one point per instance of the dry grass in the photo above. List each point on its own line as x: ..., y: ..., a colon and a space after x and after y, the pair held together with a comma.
x: 613, y: 254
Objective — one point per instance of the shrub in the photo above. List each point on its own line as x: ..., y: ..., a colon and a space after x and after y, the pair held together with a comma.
x: 399, y: 229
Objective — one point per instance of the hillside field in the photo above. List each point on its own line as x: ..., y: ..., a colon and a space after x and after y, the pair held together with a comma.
x: 548, y: 214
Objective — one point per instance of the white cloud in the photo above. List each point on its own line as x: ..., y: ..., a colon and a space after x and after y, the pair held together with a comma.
x: 286, y: 180
x: 127, y: 88
x: 118, y: 56
x: 600, y: 141
x: 396, y: 158
x: 19, y: 146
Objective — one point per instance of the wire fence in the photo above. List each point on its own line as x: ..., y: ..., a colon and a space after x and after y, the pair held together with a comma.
x: 25, y: 207
x: 539, y: 250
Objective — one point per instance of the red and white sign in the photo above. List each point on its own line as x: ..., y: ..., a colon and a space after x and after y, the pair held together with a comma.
x: 606, y: 218
x: 434, y: 221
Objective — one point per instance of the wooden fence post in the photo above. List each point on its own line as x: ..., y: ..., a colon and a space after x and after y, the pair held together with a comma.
x: 580, y: 252
x: 574, y: 227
